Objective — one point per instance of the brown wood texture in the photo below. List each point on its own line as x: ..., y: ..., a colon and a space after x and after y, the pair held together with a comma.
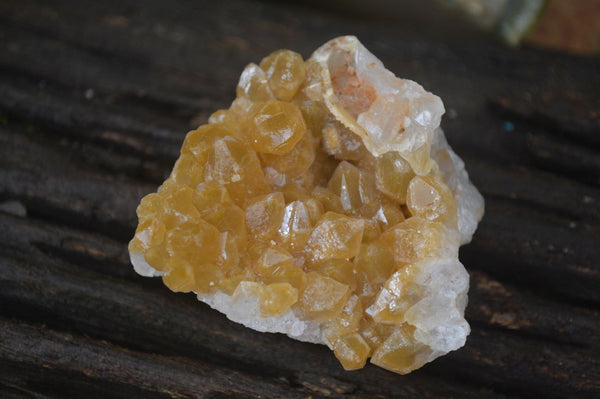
x: 95, y: 99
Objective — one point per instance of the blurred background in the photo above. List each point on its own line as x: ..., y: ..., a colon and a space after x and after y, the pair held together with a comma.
x: 570, y: 26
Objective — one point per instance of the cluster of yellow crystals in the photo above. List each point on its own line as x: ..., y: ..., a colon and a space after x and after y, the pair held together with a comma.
x: 275, y: 195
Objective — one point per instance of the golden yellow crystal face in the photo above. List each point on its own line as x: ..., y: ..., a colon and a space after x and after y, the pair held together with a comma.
x: 314, y: 203
x: 275, y: 127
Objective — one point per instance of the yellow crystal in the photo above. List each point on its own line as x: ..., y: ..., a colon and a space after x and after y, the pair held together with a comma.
x: 323, y: 298
x: 253, y: 85
x: 393, y: 175
x: 275, y: 127
x: 275, y: 264
x: 356, y: 190
x: 292, y: 165
x: 285, y: 73
x: 296, y: 226
x: 352, y: 351
x: 277, y: 298
x: 335, y: 237
x: 264, y: 215
x: 413, y: 239
x: 401, y: 353
x: 341, y: 143
x: 317, y: 200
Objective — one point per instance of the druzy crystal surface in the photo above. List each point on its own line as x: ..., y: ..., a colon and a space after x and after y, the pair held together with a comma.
x: 325, y: 204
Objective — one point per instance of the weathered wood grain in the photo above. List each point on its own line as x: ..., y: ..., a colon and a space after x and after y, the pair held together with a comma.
x: 95, y: 100
x: 86, y: 368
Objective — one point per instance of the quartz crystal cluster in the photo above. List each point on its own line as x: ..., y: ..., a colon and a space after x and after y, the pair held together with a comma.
x: 325, y: 204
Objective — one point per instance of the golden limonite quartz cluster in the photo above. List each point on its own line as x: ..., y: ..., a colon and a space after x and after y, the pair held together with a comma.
x: 324, y: 204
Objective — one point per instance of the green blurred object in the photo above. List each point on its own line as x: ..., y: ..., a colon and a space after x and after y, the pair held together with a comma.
x: 511, y: 19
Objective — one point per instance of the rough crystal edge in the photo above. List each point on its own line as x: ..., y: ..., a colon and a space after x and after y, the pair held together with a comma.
x: 446, y: 284
x: 245, y: 310
x: 425, y: 117
x: 142, y: 267
x: 469, y: 202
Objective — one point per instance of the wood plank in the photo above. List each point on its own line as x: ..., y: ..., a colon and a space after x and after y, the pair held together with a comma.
x: 143, y: 315
x: 97, y: 369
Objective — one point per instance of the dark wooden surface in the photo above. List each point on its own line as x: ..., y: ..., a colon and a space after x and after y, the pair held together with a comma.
x: 95, y: 99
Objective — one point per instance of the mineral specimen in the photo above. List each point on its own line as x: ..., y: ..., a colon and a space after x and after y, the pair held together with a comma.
x: 325, y: 204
